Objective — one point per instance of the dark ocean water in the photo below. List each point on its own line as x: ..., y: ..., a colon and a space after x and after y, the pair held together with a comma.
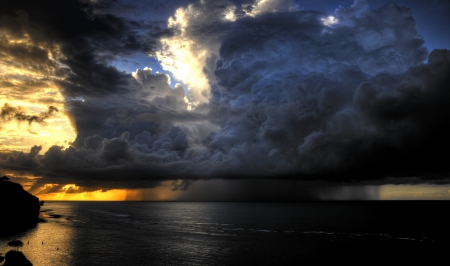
x: 219, y: 233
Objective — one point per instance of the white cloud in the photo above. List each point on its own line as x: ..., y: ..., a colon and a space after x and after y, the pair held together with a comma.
x: 329, y: 21
x: 260, y: 7
x: 186, y: 54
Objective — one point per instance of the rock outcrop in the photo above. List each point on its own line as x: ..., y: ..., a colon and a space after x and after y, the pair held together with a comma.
x: 16, y: 258
x: 19, y: 210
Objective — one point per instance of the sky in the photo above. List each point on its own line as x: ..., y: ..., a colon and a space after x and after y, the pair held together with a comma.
x: 226, y: 100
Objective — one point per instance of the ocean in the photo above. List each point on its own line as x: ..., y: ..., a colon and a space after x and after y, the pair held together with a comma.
x: 236, y: 233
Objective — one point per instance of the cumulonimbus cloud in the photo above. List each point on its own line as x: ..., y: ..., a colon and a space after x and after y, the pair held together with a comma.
x: 284, y: 94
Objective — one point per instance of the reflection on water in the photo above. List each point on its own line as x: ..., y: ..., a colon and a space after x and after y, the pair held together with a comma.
x: 152, y: 233
x: 49, y: 243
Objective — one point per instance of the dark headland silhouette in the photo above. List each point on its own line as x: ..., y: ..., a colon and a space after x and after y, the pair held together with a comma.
x: 19, y: 209
x: 16, y: 258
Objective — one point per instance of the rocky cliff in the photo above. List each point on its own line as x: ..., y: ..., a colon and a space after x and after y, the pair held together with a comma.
x: 19, y: 209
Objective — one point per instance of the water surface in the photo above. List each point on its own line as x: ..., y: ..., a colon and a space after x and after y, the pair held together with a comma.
x: 221, y: 233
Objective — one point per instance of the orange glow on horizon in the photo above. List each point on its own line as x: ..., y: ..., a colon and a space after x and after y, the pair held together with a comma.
x: 69, y: 193
x: 98, y: 195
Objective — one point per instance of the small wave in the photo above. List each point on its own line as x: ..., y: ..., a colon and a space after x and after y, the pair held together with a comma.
x: 319, y: 232
x: 365, y: 235
x: 405, y: 238
x: 116, y: 214
x: 121, y: 215
x: 261, y: 230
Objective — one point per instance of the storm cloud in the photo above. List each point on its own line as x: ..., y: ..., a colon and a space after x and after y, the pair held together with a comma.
x: 272, y: 92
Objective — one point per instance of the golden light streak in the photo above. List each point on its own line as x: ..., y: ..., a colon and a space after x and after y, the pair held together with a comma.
x: 21, y: 136
x: 27, y: 82
x: 110, y: 195
x: 68, y: 192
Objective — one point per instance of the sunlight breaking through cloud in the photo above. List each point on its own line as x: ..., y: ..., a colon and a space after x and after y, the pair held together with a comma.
x: 329, y: 21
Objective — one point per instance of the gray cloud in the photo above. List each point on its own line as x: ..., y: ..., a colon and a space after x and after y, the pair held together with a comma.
x: 271, y: 190
x: 287, y: 82
x: 293, y: 95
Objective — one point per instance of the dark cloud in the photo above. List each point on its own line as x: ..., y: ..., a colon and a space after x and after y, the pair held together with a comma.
x: 159, y: 90
x: 23, y: 162
x: 182, y: 185
x: 271, y: 190
x: 9, y: 113
x: 293, y: 95
x: 83, y: 43
x: 142, y: 9
x: 290, y: 84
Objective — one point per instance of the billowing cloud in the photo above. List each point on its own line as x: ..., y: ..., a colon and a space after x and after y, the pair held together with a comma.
x: 290, y: 85
x: 160, y: 92
x: 190, y: 54
x: 273, y: 92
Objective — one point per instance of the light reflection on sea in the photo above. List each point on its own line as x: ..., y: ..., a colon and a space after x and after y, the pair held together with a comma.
x: 169, y: 233
x: 50, y: 243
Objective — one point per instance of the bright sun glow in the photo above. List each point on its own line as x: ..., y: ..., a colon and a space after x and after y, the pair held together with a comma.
x: 185, y: 60
x: 185, y: 56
